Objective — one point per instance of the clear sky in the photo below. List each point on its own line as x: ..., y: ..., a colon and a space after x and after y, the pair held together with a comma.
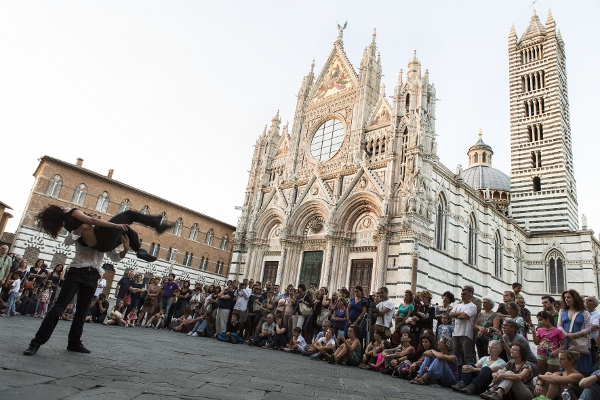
x: 172, y: 95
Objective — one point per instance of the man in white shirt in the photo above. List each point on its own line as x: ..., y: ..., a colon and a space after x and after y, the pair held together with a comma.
x: 242, y: 294
x: 81, y: 279
x: 100, y: 287
x: 385, y: 316
x: 591, y: 303
x: 464, y: 314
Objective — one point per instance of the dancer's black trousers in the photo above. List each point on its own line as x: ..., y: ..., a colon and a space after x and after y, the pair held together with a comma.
x: 80, y: 281
x: 109, y: 239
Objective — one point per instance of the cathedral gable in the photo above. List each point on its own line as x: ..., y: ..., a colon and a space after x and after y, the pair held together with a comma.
x: 337, y: 76
x: 381, y: 116
x: 284, y: 145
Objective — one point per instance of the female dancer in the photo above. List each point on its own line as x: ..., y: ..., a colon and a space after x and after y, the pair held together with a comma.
x: 96, y: 233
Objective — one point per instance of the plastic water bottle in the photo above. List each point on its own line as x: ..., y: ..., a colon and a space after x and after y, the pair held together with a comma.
x: 565, y: 395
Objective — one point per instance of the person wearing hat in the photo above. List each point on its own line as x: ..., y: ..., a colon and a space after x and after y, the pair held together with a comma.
x: 464, y: 315
x: 98, y: 309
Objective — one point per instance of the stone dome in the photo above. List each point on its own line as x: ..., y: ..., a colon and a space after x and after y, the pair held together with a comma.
x: 483, y: 177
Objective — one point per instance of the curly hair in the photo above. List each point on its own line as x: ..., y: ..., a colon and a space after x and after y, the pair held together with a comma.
x: 51, y: 220
x: 449, y: 343
x: 578, y: 303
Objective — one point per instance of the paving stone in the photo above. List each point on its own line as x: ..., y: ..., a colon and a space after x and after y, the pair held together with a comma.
x: 43, y: 391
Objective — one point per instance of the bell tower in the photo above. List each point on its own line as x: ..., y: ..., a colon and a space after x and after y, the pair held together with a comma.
x: 542, y: 179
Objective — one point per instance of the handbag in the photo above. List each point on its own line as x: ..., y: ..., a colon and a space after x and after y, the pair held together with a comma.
x: 323, y: 316
x: 127, y: 300
x: 581, y: 343
x: 305, y: 310
x: 29, y: 285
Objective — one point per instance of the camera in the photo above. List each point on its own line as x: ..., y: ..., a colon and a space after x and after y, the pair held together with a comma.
x: 490, y: 331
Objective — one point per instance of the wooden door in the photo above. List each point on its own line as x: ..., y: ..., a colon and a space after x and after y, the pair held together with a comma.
x: 361, y: 272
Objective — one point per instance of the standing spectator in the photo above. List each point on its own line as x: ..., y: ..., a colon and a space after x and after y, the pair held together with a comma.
x: 5, y: 264
x: 123, y: 285
x: 242, y: 294
x: 150, y: 302
x: 385, y: 316
x: 514, y: 313
x: 305, y: 299
x: 98, y: 309
x: 511, y: 337
x: 15, y: 284
x: 575, y: 322
x: 197, y: 295
x: 591, y: 303
x: 44, y: 299
x: 445, y: 308
x: 183, y: 297
x: 226, y: 303
x: 549, y: 341
x: 517, y: 289
x: 403, y: 312
x: 100, y: 287
x: 254, y: 313
x: 507, y: 296
x: 423, y: 316
x: 168, y: 289
x: 38, y: 274
x: 464, y: 315
x: 485, y: 320
x: 288, y: 308
x: 548, y: 306
x: 56, y: 278
x: 135, y: 292
x: 356, y: 309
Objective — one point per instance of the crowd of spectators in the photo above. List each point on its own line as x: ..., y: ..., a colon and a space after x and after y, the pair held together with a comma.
x: 474, y: 346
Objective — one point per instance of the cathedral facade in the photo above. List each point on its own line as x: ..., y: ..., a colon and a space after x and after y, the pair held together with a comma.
x: 353, y: 192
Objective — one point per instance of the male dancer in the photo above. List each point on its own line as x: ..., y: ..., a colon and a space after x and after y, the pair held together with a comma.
x: 81, y: 279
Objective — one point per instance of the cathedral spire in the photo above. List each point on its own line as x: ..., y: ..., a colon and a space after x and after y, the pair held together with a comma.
x: 550, y: 24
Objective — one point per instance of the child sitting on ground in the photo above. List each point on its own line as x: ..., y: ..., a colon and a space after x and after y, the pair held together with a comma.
x: 132, y: 317
x: 297, y: 342
x: 156, y: 320
x: 69, y: 313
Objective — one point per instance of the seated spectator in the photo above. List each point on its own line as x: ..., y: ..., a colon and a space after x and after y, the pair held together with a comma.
x: 549, y: 341
x: 186, y: 316
x: 388, y: 359
x: 476, y: 377
x: 266, y: 307
x: 132, y: 317
x: 205, y: 325
x: 373, y: 349
x: 439, y: 367
x: 187, y: 325
x: 507, y: 297
x: 510, y: 337
x: 426, y: 343
x: 98, y: 309
x: 234, y: 332
x: 280, y: 339
x: 516, y: 377
x: 69, y: 313
x: 350, y: 351
x: 525, y: 314
x: 267, y: 332
x: 117, y: 315
x: 156, y: 320
x: 590, y: 386
x: 323, y: 346
x: 485, y: 320
x: 297, y: 342
x: 552, y: 385
x: 326, y: 325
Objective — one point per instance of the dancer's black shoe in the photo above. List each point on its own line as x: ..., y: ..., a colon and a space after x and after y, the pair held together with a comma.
x: 31, y: 350
x: 144, y: 255
x: 164, y: 227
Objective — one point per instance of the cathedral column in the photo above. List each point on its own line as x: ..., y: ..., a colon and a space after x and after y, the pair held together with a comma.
x: 382, y: 238
x: 327, y: 266
x: 415, y: 265
x: 280, y: 266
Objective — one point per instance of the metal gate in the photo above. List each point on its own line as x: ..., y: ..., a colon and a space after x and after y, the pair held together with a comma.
x: 312, y: 261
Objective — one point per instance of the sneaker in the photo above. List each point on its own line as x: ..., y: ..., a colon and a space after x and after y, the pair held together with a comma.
x: 286, y: 350
x: 194, y: 334
x: 251, y: 342
x: 314, y: 356
x: 470, y: 390
x: 459, y: 386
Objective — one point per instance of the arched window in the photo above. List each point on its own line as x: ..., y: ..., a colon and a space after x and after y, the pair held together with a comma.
x: 145, y: 210
x: 189, y: 260
x: 556, y: 272
x: 519, y: 264
x: 472, y: 244
x: 124, y: 206
x: 194, y: 232
x: 497, y: 255
x: 440, y: 224
x: 407, y: 104
x: 154, y: 249
x: 185, y: 258
x: 171, y: 254
x: 79, y: 195
x: 54, y: 186
x: 475, y: 158
x: 163, y: 216
x: 209, y: 237
x: 219, y: 267
x: 224, y: 242
x: 178, y: 227
x: 102, y: 203
x: 203, y: 263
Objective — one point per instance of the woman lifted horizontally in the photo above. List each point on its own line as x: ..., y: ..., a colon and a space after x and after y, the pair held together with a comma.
x: 96, y: 233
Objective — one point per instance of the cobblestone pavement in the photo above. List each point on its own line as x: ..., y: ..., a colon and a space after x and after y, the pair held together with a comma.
x: 144, y: 364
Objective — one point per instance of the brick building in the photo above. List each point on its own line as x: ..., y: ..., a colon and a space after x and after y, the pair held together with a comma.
x: 198, y: 248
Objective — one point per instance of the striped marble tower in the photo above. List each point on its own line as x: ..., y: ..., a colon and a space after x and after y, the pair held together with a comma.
x: 543, y: 191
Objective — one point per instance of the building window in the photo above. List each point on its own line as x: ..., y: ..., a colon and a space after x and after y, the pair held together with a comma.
x: 145, y: 210
x: 519, y: 264
x: 79, y: 195
x: 124, y: 206
x: 203, y: 263
x: 472, y: 244
x: 440, y: 224
x: 187, y: 259
x: 209, y: 237
x: 171, y: 254
x: 154, y: 248
x: 219, y: 267
x: 327, y: 140
x: 224, y: 242
x: 537, y: 184
x: 498, y: 255
x: 178, y: 227
x: 163, y: 216
x: 102, y: 203
x: 54, y: 186
x: 194, y: 232
x: 556, y: 273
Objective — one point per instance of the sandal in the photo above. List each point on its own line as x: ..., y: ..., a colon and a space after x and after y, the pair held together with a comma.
x: 416, y: 380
